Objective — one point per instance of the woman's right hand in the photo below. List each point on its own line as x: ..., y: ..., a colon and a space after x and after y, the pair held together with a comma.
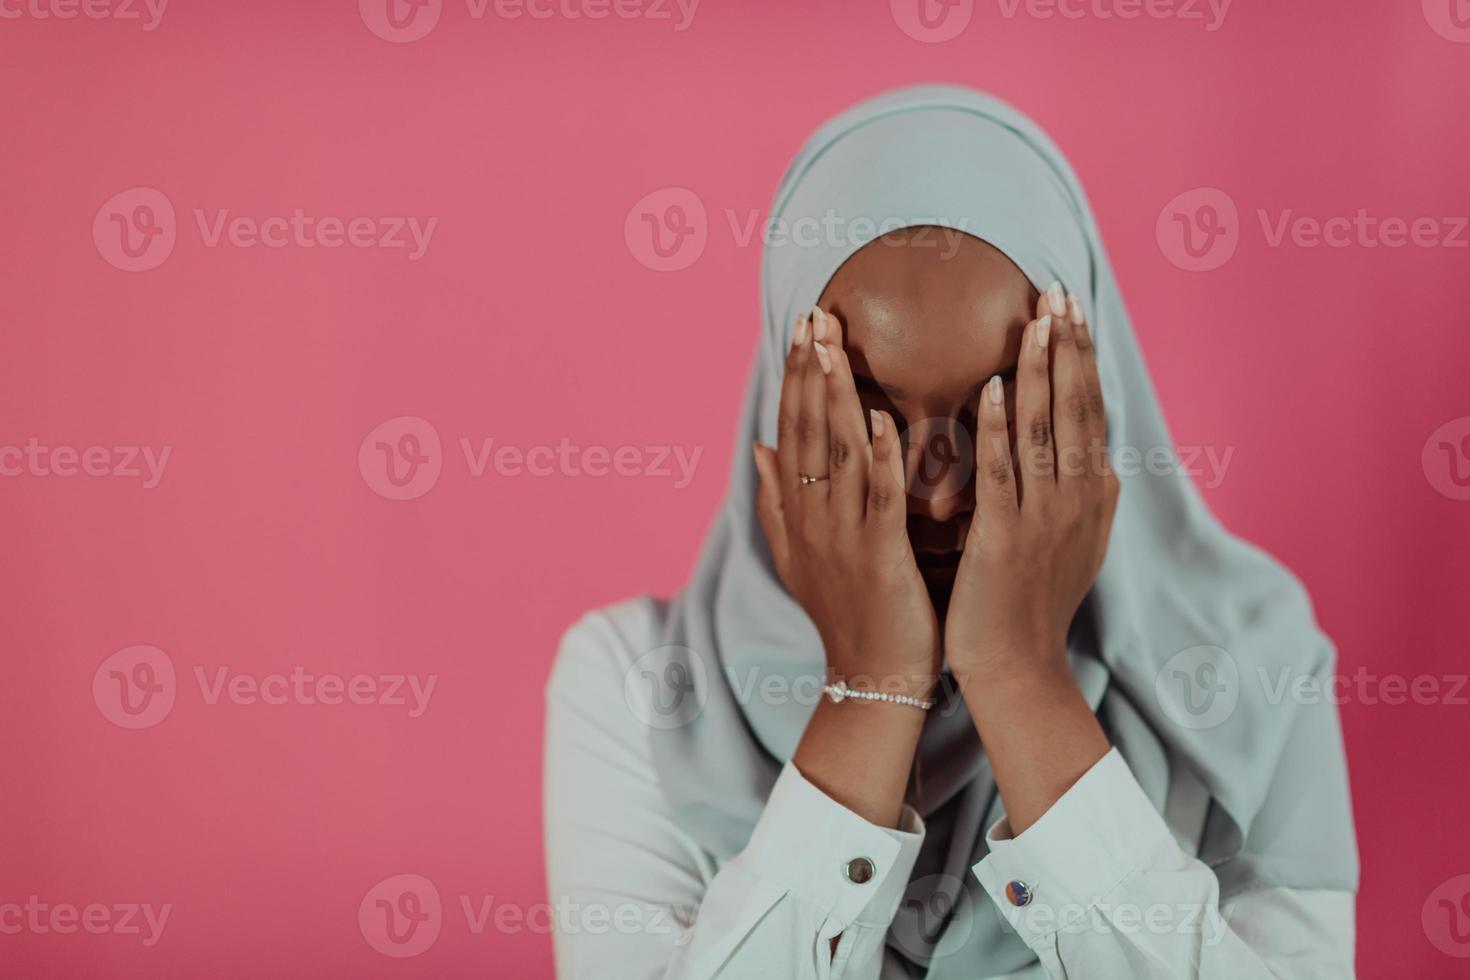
x: 841, y: 545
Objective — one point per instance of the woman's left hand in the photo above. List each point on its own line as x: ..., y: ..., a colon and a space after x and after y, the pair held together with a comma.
x: 1035, y: 543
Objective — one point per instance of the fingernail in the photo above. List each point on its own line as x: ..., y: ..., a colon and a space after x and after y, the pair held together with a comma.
x: 997, y: 390
x: 1043, y: 331
x: 803, y: 331
x: 1057, y: 298
x: 877, y: 419
x: 819, y: 324
x: 1074, y: 308
x: 823, y: 357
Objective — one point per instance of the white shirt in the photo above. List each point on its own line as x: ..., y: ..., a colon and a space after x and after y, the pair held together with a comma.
x: 1116, y: 897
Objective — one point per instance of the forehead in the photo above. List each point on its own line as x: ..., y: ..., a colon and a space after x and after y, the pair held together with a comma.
x: 930, y: 309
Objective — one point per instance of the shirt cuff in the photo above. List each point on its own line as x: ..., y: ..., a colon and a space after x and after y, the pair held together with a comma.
x: 806, y: 840
x: 1095, y: 837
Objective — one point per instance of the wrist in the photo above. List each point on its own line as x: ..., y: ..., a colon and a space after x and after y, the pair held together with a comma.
x: 1033, y: 663
x: 861, y: 756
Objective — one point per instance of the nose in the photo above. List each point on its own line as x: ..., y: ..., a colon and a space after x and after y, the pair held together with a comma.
x: 938, y: 471
x: 942, y: 507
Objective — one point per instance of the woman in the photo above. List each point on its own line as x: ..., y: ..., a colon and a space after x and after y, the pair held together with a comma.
x: 1044, y: 745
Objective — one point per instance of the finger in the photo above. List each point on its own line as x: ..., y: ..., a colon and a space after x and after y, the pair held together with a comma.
x: 1097, y: 414
x: 995, y: 481
x: 1034, y: 449
x: 887, y: 512
x: 1071, y: 406
x: 768, y: 502
x: 790, y: 408
x: 812, y: 442
x: 850, y: 453
x: 1052, y: 300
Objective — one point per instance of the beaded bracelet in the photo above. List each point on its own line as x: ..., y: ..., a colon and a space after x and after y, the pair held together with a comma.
x: 841, y: 692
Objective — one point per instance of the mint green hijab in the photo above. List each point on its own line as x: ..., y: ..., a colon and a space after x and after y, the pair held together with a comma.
x: 1178, y: 599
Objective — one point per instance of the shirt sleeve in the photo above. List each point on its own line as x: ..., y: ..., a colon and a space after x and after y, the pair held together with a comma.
x: 1099, y: 888
x: 629, y: 887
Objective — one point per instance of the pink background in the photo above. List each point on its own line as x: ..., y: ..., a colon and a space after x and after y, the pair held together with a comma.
x: 531, y: 319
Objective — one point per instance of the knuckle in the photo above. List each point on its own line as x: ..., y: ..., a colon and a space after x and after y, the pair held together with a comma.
x: 785, y: 426
x: 841, y: 452
x: 998, y: 446
x: 882, y: 497
x: 1078, y: 407
x: 1040, y: 430
x: 807, y: 429
x: 999, y: 470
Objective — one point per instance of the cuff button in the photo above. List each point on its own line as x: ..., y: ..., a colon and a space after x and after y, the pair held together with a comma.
x: 1018, y: 893
x: 859, y: 870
